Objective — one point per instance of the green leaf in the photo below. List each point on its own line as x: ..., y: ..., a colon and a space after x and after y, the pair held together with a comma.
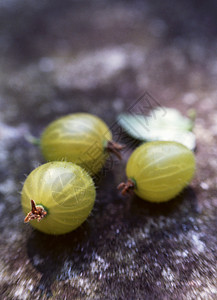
x: 166, y: 125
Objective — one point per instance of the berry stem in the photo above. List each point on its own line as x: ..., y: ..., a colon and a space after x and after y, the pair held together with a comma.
x: 37, y: 213
x: 33, y: 140
x: 115, y: 148
x: 127, y: 187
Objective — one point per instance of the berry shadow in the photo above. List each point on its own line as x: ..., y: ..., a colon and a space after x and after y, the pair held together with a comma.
x: 187, y: 200
x: 170, y: 219
x: 47, y: 254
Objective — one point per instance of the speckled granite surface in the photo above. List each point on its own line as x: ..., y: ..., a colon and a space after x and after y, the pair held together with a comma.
x: 60, y: 57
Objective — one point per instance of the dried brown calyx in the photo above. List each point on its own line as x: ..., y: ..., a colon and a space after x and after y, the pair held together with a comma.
x: 37, y: 213
x: 127, y: 188
x: 115, y: 148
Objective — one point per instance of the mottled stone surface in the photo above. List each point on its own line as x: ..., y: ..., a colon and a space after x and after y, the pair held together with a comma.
x: 58, y: 57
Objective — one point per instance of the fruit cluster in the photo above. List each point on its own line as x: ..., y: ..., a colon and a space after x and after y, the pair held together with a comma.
x: 58, y: 196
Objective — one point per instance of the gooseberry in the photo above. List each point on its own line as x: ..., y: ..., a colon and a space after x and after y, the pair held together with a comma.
x: 57, y: 197
x: 80, y: 138
x: 158, y: 171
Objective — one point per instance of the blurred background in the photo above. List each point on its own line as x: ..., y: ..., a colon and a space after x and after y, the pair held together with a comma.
x: 60, y: 57
x: 100, y: 56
